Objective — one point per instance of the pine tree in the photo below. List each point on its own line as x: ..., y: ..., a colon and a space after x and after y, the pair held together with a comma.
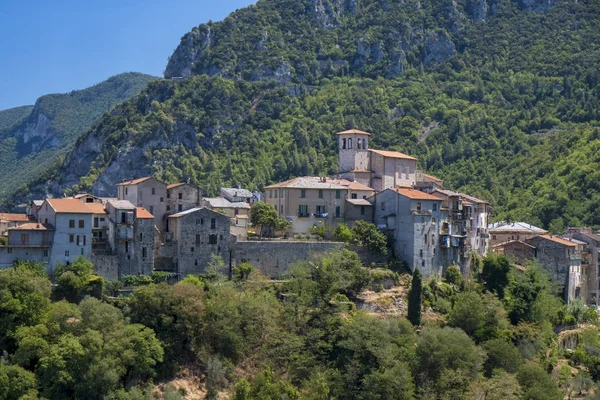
x: 414, y: 299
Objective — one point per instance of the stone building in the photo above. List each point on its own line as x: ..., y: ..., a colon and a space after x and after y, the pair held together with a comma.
x: 196, y: 234
x: 562, y: 259
x: 309, y: 201
x: 8, y: 220
x: 238, y: 213
x: 149, y: 193
x: 237, y: 195
x: 504, y: 231
x: 28, y: 242
x: 72, y: 223
x: 182, y: 197
x: 589, y: 261
x: 517, y: 251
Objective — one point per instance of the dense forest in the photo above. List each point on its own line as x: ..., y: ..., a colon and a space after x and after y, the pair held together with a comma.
x: 33, y: 138
x: 250, y: 338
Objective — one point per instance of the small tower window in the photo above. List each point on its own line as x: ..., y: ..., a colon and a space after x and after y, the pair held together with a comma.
x: 350, y: 143
x: 343, y: 143
x: 358, y: 143
x: 365, y: 144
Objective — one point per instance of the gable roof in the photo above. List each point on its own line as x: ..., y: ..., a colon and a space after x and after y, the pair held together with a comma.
x: 174, y: 185
x: 504, y: 226
x: 316, y: 182
x: 142, y: 213
x: 121, y: 204
x: 134, y: 181
x: 353, y: 131
x: 32, y: 226
x: 193, y: 210
x: 392, y: 154
x: 556, y: 239
x: 96, y: 208
x: 14, y: 217
x: 473, y: 199
x: 235, y: 192
x: 414, y: 194
x: 221, y: 202
x: 81, y: 195
x: 513, y: 242
x: 69, y: 206
x: 359, y: 202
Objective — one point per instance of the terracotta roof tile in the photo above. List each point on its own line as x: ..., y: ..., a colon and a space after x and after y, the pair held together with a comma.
x: 559, y: 240
x: 392, y: 154
x: 14, y: 217
x: 415, y: 194
x: 353, y: 131
x: 134, y: 181
x: 96, y: 208
x: 174, y: 185
x: 315, y: 182
x: 32, y: 226
x: 142, y: 213
x: 69, y: 206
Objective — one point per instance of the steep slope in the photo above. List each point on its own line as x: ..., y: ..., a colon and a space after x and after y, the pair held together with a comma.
x: 511, y: 116
x: 32, y: 138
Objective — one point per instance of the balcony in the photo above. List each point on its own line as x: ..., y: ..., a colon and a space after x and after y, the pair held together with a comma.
x: 574, y: 257
x: 421, y: 212
x: 303, y: 215
x: 321, y: 215
x: 124, y: 233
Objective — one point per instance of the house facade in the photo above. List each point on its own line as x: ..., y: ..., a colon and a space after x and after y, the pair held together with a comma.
x: 503, y: 231
x: 28, y: 242
x: 8, y: 220
x: 182, y: 197
x: 147, y: 192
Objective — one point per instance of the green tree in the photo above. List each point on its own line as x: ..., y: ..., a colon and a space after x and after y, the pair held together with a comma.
x: 266, y: 386
x: 263, y: 216
x: 73, y: 279
x: 17, y: 383
x: 367, y: 235
x: 342, y: 233
x: 415, y: 298
x: 537, y: 384
x: 453, y: 276
x: 243, y: 271
x: 495, y: 274
x: 501, y: 354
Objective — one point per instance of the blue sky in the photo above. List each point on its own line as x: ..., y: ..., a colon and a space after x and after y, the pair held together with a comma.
x: 58, y: 46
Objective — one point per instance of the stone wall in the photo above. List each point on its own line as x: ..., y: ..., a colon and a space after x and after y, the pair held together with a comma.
x: 106, y: 266
x: 274, y: 257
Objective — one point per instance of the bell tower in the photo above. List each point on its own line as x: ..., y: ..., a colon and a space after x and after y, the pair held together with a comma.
x: 353, y: 154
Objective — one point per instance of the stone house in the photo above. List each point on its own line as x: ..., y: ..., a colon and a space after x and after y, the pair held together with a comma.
x: 182, y: 197
x: 589, y: 261
x: 8, y: 220
x: 517, y: 251
x: 149, y: 193
x: 28, y: 242
x: 237, y: 195
x: 504, y: 231
x: 238, y: 213
x: 562, y: 259
x: 309, y: 201
x: 196, y: 234
x: 71, y: 220
x: 413, y: 219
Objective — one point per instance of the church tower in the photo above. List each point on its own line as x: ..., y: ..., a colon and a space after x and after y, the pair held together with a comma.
x: 353, y: 156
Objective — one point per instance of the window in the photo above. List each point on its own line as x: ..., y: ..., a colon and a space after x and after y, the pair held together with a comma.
x: 71, y: 223
x: 179, y: 207
x: 281, y: 209
x: 350, y: 143
x: 303, y: 211
x: 425, y: 238
x: 338, y: 194
x: 434, y: 207
x: 302, y: 193
x: 433, y: 220
x: 45, y: 253
x: 9, y: 250
x: 418, y: 207
x: 84, y: 240
x: 162, y: 199
x: 71, y: 238
x: 197, y: 239
x: 212, y: 239
x: 383, y: 205
x: 191, y: 249
x: 358, y: 143
x: 365, y: 144
x: 126, y: 247
x: 270, y: 193
x: 220, y: 237
x: 152, y: 210
x: 45, y: 220
x: 96, y: 224
x: 168, y: 207
x: 362, y: 210
x: 126, y: 191
x: 320, y: 193
x: 81, y: 251
x: 102, y: 219
x: 421, y: 253
x: 78, y: 241
x: 354, y: 196
x: 423, y: 263
x: 201, y: 221
x: 213, y: 223
x: 141, y: 236
x: 321, y: 210
x: 81, y: 224
x: 180, y: 196
x: 281, y: 194
x: 168, y: 195
x: 338, y: 211
x: 144, y: 252
x: 494, y: 237
x: 67, y: 253
x: 123, y: 217
x: 343, y: 143
x: 153, y: 191
x: 24, y: 238
x: 236, y: 211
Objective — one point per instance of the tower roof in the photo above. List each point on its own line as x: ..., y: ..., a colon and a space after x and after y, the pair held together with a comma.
x: 354, y: 132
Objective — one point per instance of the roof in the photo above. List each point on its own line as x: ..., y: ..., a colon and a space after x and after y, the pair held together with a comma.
x: 235, y: 192
x: 221, y: 202
x: 593, y: 236
x: 579, y: 242
x: 504, y: 226
x: 14, y: 217
x: 174, y: 185
x: 353, y: 131
x: 193, y: 210
x: 473, y: 199
x: 431, y: 178
x: 392, y: 154
x: 142, y: 213
x: 359, y: 202
x: 513, y: 242
x: 96, y: 208
x: 447, y: 192
x: 316, y: 182
x: 134, y: 181
x: 80, y: 195
x: 556, y: 239
x: 121, y: 204
x: 69, y: 206
x: 38, y: 202
x: 415, y: 194
x: 32, y: 226
x: 242, y: 216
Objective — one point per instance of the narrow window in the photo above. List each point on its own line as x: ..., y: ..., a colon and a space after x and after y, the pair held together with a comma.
x: 320, y: 193
x: 168, y: 195
x: 126, y: 191
x: 365, y: 144
x: 126, y: 247
x: 197, y: 239
x: 338, y: 211
x: 201, y: 221
x: 84, y: 240
x: 71, y: 238
x: 434, y: 207
x: 338, y: 194
x: 81, y: 251
x: 141, y: 236
x: 213, y: 223
x: 168, y: 207
x: 270, y: 193
x: 144, y: 252
x: 343, y: 143
x: 418, y: 207
x: 152, y: 210
x: 425, y: 238
x: 358, y: 143
x: 96, y: 224
x: 302, y: 193
x: 81, y: 224
x: 350, y: 143
x: 281, y: 194
x: 383, y: 205
x: 179, y: 207
x: 180, y: 196
x: 153, y: 191
x: 362, y: 210
x: 281, y: 209
x: 71, y: 223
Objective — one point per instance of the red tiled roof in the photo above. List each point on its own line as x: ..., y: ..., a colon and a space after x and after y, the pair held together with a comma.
x: 142, y: 213
x: 353, y: 131
x: 14, y: 217
x: 559, y: 240
x: 174, y: 185
x: 69, y: 206
x: 392, y: 154
x: 96, y: 208
x: 32, y: 226
x: 415, y: 194
x: 134, y: 181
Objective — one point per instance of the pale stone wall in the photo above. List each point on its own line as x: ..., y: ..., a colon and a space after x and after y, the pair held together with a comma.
x: 182, y: 198
x: 353, y: 158
x: 106, y: 266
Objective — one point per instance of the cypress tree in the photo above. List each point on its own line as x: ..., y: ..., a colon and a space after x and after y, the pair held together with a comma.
x: 414, y: 299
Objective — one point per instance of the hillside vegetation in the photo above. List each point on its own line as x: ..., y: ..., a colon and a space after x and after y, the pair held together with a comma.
x: 33, y: 138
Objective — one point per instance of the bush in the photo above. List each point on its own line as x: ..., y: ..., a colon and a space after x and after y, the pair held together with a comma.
x: 367, y: 235
x: 453, y: 276
x: 342, y: 233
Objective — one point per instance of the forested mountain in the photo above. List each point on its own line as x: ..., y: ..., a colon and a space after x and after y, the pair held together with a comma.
x: 32, y: 138
x: 499, y: 99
